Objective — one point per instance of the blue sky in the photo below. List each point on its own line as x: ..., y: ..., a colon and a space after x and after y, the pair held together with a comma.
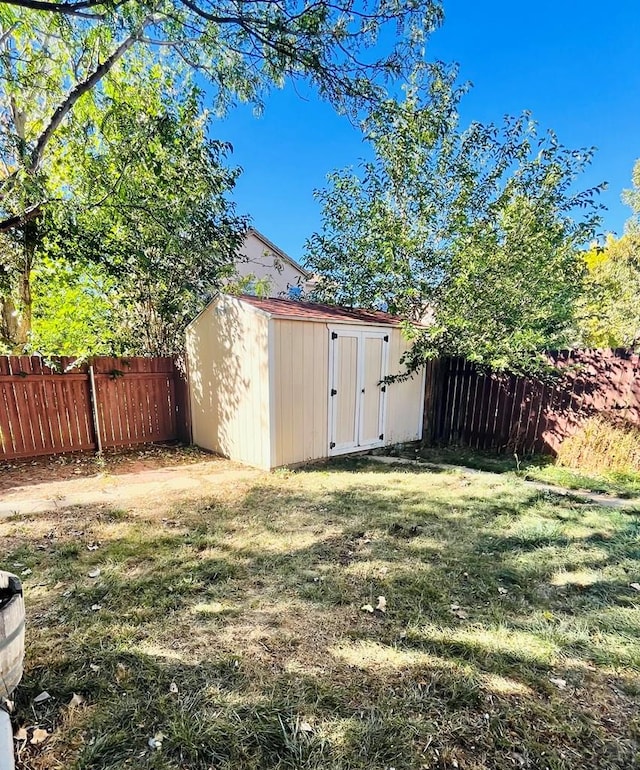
x: 575, y: 65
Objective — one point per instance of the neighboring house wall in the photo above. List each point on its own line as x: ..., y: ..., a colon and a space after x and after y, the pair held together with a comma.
x: 227, y: 353
x: 259, y: 258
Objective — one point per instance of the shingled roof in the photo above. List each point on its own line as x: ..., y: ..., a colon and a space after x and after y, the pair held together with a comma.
x: 311, y: 311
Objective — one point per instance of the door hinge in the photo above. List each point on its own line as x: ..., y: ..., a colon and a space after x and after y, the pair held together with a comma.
x: 333, y: 391
x: 332, y: 445
x: 334, y: 335
x: 381, y: 436
x: 386, y: 338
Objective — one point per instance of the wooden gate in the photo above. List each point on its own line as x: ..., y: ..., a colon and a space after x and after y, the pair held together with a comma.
x: 49, y: 408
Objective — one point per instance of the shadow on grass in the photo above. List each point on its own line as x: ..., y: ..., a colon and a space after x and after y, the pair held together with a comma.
x: 253, y: 610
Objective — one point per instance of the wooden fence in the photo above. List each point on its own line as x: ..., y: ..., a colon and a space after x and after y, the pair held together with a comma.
x: 61, y: 408
x: 484, y: 410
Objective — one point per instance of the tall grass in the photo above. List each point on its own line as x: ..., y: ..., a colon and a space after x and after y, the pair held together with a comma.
x: 603, y: 445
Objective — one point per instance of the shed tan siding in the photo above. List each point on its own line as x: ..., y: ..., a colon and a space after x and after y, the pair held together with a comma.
x: 300, y: 359
x: 404, y: 399
x: 227, y: 353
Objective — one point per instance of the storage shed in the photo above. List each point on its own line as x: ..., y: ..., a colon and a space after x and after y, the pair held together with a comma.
x: 277, y: 382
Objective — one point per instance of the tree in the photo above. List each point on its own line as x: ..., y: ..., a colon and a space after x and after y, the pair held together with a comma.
x: 164, y: 231
x: 476, y: 229
x: 632, y: 198
x: 609, y: 313
x: 146, y: 200
x: 77, y: 310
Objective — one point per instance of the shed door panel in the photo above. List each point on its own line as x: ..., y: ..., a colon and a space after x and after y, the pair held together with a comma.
x: 345, y: 401
x: 371, y: 396
x: 356, y: 412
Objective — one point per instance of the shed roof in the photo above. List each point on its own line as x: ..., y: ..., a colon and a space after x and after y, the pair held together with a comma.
x: 311, y: 311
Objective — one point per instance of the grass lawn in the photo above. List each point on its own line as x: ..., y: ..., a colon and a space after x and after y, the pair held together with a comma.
x: 230, y: 631
x: 538, y: 468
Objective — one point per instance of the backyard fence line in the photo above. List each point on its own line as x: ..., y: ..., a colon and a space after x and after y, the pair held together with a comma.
x: 471, y: 407
x: 56, y: 407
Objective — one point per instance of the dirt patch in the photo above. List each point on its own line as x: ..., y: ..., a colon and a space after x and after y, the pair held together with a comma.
x: 153, y: 479
x: 87, y: 464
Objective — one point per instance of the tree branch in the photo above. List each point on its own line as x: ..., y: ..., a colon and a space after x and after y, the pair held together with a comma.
x: 20, y: 219
x: 70, y: 9
x: 81, y: 88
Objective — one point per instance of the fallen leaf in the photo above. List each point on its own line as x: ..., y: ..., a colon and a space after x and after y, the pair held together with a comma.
x: 173, y: 688
x: 366, y: 608
x: 96, y: 607
x: 381, y: 606
x: 94, y: 573
x: 635, y: 586
x: 26, y: 572
x: 502, y: 591
x: 94, y: 668
x: 93, y: 547
x: 122, y: 672
x: 156, y: 741
x: 21, y: 735
x: 38, y: 736
x: 76, y: 701
x: 559, y: 683
x: 461, y: 614
x: 42, y: 697
x: 306, y: 727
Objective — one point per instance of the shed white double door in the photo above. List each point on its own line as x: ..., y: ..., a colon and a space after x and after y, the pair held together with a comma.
x: 358, y: 362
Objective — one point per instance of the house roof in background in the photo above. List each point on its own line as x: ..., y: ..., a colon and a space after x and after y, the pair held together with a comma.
x: 278, y: 251
x: 311, y: 311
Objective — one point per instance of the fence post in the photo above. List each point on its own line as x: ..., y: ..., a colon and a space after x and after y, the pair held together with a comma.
x: 94, y: 408
x: 183, y: 403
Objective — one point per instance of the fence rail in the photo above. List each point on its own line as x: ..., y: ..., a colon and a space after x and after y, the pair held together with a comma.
x: 485, y: 410
x: 48, y: 410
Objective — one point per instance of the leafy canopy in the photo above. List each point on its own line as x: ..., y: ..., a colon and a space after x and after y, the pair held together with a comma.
x: 164, y: 231
x: 475, y: 231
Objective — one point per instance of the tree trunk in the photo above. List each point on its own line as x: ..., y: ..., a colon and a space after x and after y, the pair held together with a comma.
x: 9, y: 322
x: 31, y: 235
x: 16, y: 320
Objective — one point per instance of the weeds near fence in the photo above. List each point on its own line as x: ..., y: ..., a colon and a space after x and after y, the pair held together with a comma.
x: 603, y: 445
